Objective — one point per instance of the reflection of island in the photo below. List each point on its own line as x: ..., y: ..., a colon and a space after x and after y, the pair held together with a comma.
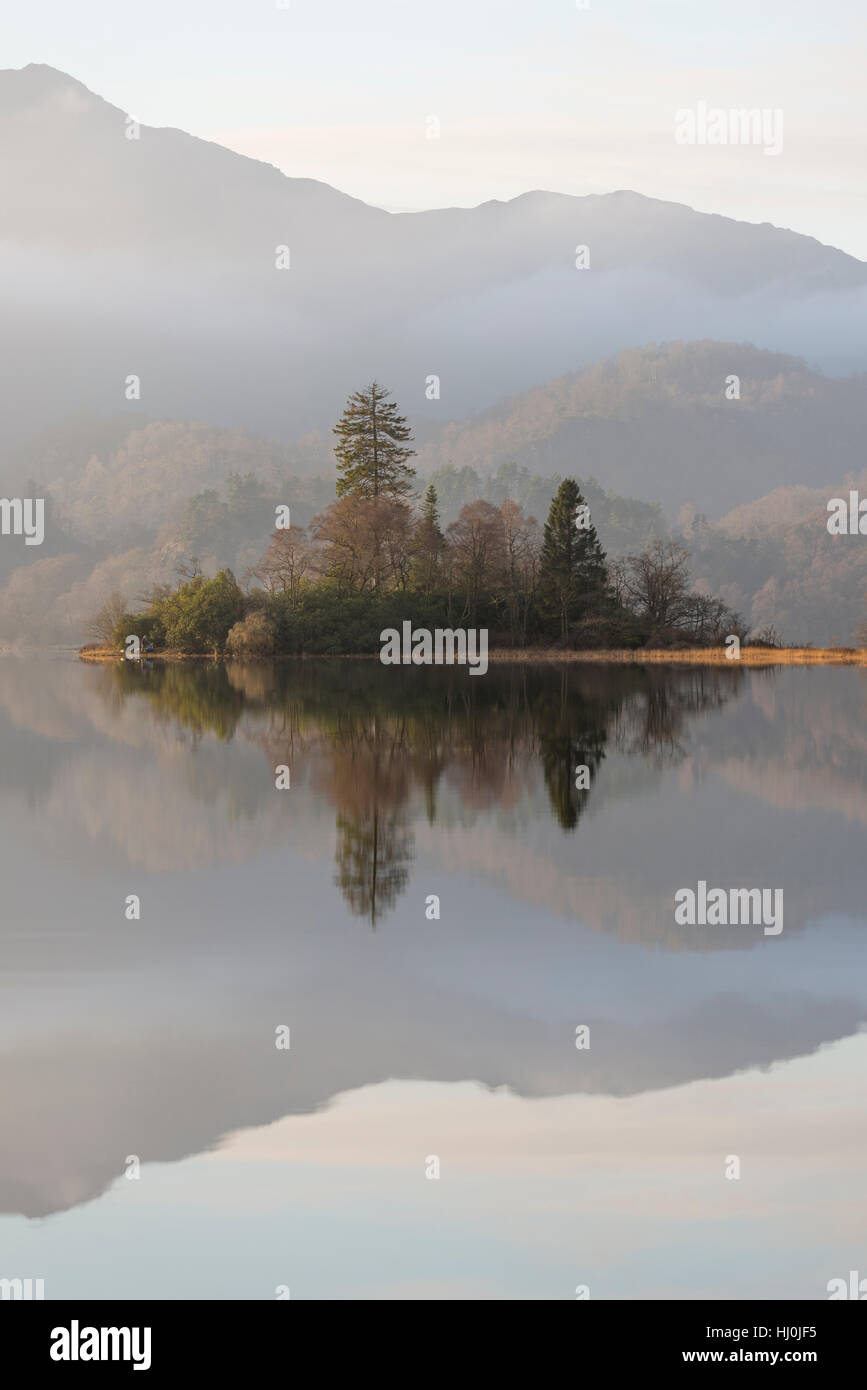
x: 159, y: 1039
x: 198, y: 697
x: 167, y: 773
x: 381, y: 737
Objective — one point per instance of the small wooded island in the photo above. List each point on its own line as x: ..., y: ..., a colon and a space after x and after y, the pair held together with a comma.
x: 376, y: 560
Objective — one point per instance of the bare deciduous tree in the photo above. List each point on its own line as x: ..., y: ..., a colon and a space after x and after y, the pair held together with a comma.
x: 656, y: 583
x: 102, y: 624
x: 286, y: 564
x: 522, y: 538
x: 477, y: 541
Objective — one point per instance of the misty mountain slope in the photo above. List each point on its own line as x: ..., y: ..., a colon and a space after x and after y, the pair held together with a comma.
x: 156, y: 257
x: 655, y: 424
x: 652, y: 424
x: 778, y: 511
x: 790, y: 574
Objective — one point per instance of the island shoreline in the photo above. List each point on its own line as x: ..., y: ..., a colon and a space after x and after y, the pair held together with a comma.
x: 688, y: 656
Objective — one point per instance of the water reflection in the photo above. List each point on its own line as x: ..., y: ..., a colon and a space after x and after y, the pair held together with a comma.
x: 156, y: 1038
x: 377, y: 738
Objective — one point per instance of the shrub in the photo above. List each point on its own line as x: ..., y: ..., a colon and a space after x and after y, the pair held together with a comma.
x: 255, y: 637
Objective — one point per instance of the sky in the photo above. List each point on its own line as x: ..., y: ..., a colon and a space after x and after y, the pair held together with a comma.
x: 547, y: 94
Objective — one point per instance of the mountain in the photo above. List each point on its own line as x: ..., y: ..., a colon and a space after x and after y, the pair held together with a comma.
x: 155, y: 257
x: 656, y: 424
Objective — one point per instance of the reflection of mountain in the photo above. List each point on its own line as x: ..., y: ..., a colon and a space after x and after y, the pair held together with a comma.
x: 157, y: 1038
x: 176, y: 1053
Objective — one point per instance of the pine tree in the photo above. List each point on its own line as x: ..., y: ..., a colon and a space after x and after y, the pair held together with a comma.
x: 430, y: 507
x: 572, y: 570
x: 372, y: 450
x: 429, y: 542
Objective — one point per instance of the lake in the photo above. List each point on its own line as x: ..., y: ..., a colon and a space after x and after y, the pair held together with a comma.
x: 420, y: 1021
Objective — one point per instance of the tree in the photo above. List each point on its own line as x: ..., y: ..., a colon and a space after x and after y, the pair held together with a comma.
x: 572, y: 570
x: 656, y: 584
x: 102, y: 625
x: 189, y: 569
x: 198, y: 616
x: 428, y: 542
x: 372, y: 450
x: 709, y: 620
x: 366, y: 543
x: 522, y: 542
x: 477, y: 546
x: 286, y: 564
x: 148, y: 627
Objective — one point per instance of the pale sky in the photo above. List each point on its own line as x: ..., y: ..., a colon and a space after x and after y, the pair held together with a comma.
x: 534, y: 95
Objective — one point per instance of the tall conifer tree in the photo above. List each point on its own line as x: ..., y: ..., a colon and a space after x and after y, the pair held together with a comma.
x: 572, y: 570
x: 372, y: 448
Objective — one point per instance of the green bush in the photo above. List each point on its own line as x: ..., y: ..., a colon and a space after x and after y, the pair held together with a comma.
x: 147, y: 627
x: 325, y: 624
x: 200, y: 614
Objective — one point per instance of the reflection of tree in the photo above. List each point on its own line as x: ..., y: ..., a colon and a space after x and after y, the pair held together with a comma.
x: 380, y: 744
x: 656, y: 721
x: 367, y: 774
x: 372, y: 857
x: 198, y: 696
x: 561, y: 758
x: 572, y: 734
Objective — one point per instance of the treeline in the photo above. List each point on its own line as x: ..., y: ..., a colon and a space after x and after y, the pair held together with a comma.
x: 375, y: 558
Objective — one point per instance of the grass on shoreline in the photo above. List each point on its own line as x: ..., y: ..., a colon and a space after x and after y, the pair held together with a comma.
x: 701, y: 656
x: 693, y: 656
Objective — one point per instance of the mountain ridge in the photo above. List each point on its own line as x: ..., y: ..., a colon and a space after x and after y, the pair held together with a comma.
x: 38, y: 84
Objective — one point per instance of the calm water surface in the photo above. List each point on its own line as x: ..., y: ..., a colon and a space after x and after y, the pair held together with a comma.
x: 411, y: 1038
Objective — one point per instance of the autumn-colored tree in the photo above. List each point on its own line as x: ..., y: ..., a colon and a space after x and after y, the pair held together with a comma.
x: 477, y: 553
x: 366, y: 543
x: 522, y: 540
